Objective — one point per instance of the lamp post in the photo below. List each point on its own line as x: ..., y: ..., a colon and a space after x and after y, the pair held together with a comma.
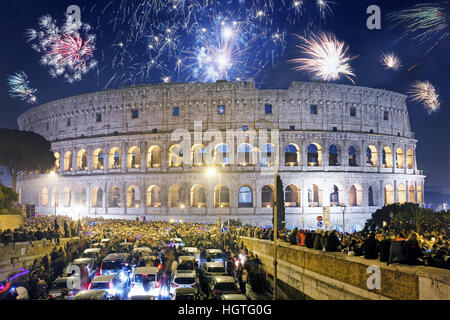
x: 275, y: 213
x: 343, y: 217
x: 211, y: 172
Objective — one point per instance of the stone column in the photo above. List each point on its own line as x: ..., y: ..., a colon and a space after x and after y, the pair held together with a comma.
x: 106, y: 159
x: 105, y: 199
x: 90, y: 155
x: 394, y: 157
x: 74, y: 161
x: 123, y: 197
x: 143, y: 148
x: 407, y: 190
x: 395, y: 192
x: 124, y: 160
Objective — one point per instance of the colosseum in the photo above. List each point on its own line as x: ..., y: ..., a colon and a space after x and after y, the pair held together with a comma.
x: 118, y: 153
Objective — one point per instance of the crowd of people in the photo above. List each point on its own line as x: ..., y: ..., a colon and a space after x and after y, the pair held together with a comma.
x: 430, y: 248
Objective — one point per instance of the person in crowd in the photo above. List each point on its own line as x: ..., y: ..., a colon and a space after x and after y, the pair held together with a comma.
x: 370, y: 247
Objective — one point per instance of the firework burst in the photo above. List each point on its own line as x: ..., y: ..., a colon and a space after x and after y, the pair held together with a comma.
x: 390, y: 61
x: 19, y: 87
x: 65, y: 51
x: 326, y: 57
x: 425, y: 93
x: 424, y: 21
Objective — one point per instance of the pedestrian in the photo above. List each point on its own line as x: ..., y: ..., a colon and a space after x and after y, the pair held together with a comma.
x: 243, y: 283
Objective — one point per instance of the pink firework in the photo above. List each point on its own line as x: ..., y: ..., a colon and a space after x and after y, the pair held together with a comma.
x: 71, y: 51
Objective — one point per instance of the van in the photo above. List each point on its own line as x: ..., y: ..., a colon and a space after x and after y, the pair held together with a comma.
x: 116, y: 263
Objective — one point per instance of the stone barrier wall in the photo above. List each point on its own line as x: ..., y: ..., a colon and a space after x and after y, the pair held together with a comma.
x: 10, y: 222
x: 333, y: 275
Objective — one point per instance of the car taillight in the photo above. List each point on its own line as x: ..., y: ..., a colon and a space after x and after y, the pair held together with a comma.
x: 160, y: 266
x: 216, y: 292
x: 157, y: 285
x: 70, y: 294
x: 101, y: 268
x: 89, y: 286
x: 173, y: 285
x: 236, y: 291
x: 50, y: 296
x: 110, y: 285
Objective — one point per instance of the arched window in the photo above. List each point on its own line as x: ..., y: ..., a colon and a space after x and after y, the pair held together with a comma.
x: 244, y: 154
x: 400, y: 158
x: 411, y: 195
x: 67, y: 196
x: 387, y: 157
x: 198, y: 155
x: 224, y: 196
x: 409, y: 159
x: 314, y: 196
x: 198, y: 196
x: 82, y: 160
x: 333, y: 156
x: 355, y: 196
x: 388, y: 194
x: 57, y: 161
x: 114, y: 198
x: 267, y: 155
x: 292, y: 196
x: 134, y: 158
x: 176, y: 156
x: 154, y: 157
x: 222, y: 154
x: 175, y: 197
x: 334, y: 197
x: 267, y: 197
x: 97, y: 197
x: 372, y: 156
x: 401, y: 193
x: 371, y: 202
x: 352, y: 157
x: 99, y: 159
x: 419, y: 194
x: 68, y: 161
x: 44, y: 201
x: 314, y: 155
x: 245, y: 199
x: 133, y: 197
x: 114, y: 158
x: 292, y: 155
x: 153, y: 197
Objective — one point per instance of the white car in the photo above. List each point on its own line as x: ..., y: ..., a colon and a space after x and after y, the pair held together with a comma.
x: 145, y: 282
x: 111, y: 283
x: 183, y: 279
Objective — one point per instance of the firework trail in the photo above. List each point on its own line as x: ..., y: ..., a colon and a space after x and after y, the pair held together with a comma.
x: 326, y: 57
x: 425, y: 22
x: 67, y: 51
x: 19, y: 87
x: 425, y: 93
x: 390, y: 61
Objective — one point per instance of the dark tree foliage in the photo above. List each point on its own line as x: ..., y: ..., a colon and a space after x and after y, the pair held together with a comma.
x: 281, y: 211
x: 7, y: 197
x: 24, y: 152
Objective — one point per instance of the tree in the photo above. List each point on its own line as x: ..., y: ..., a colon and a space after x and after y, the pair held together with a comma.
x: 24, y: 152
x: 281, y: 211
x: 7, y: 197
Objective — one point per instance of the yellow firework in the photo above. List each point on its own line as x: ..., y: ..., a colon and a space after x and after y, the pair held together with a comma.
x: 325, y: 57
x: 391, y: 61
x: 425, y: 92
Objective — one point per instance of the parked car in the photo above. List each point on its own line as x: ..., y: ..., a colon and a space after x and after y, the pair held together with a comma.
x: 233, y: 296
x: 145, y: 281
x: 208, y: 270
x: 93, y: 295
x: 116, y: 263
x: 63, y: 288
x: 216, y: 255
x: 111, y: 283
x: 183, y: 279
x: 220, y: 285
x: 186, y: 294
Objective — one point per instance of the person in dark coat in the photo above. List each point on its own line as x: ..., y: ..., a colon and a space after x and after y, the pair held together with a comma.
x: 293, y: 236
x: 309, y: 240
x: 370, y: 247
x: 412, y: 249
x: 384, y: 247
x: 318, y: 242
x: 396, y: 253
x: 332, y: 244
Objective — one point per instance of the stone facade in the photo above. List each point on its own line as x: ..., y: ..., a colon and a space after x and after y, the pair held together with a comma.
x: 117, y: 156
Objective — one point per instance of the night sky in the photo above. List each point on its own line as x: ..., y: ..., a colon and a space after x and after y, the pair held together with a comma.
x: 348, y: 23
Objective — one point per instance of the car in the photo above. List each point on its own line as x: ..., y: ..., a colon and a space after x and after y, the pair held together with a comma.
x: 143, y: 297
x: 94, y: 253
x: 116, y: 263
x: 177, y: 242
x: 111, y: 283
x: 145, y: 281
x: 105, y: 242
x: 193, y: 251
x: 93, y: 295
x: 183, y: 279
x: 233, y: 296
x: 59, y: 290
x: 222, y: 285
x: 126, y: 246
x: 143, y: 250
x: 210, y: 269
x: 216, y: 255
x: 186, y: 294
x: 87, y: 269
x: 187, y: 260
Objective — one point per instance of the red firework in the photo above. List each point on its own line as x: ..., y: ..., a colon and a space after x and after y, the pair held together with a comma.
x: 71, y: 50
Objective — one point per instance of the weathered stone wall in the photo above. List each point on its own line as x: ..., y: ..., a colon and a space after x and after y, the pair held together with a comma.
x: 10, y: 222
x: 22, y: 254
x: 334, y: 275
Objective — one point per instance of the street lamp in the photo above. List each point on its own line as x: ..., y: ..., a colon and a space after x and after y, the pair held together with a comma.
x: 275, y: 213
x: 343, y: 206
x: 212, y: 172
